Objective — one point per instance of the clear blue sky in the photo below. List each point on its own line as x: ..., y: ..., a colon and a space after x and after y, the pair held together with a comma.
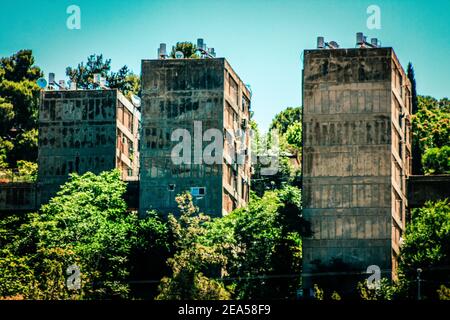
x: 263, y: 40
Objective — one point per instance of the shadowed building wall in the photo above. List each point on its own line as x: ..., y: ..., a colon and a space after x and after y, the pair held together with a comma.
x: 195, y: 95
x: 85, y: 130
x: 356, y: 155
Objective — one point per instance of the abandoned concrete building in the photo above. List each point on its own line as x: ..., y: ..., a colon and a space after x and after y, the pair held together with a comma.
x: 85, y: 130
x: 196, y: 95
x: 356, y: 157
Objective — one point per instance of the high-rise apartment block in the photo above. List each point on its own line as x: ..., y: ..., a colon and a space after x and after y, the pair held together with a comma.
x: 190, y: 102
x: 356, y: 157
x: 85, y: 130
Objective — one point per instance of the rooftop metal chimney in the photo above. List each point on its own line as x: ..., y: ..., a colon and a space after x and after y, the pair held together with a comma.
x: 374, y: 42
x: 200, y: 43
x: 51, y: 78
x: 361, y: 41
x: 62, y: 84
x: 162, y: 53
x: 359, y: 38
x: 320, y: 43
x: 212, y: 52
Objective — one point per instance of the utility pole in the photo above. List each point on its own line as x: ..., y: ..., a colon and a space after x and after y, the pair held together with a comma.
x: 419, y: 271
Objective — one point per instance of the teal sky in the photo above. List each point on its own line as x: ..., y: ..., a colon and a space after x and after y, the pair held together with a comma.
x: 263, y: 40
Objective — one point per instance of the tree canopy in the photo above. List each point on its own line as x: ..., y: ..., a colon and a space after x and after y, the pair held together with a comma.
x: 85, y: 225
x: 188, y: 48
x: 431, y: 132
x: 124, y: 80
x: 19, y: 100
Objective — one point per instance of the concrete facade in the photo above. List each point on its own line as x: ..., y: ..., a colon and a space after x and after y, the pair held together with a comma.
x: 85, y: 130
x: 17, y: 197
x: 193, y: 95
x: 356, y: 155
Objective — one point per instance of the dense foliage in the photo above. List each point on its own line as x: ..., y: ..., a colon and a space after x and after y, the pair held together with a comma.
x: 284, y: 143
x: 431, y: 132
x: 427, y: 246
x: 188, y: 49
x: 19, y: 99
x: 254, y: 252
x: 83, y: 75
x: 263, y: 245
x: 193, y: 263
x: 86, y: 225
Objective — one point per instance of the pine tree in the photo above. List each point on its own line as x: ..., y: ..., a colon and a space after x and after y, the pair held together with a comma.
x: 416, y: 155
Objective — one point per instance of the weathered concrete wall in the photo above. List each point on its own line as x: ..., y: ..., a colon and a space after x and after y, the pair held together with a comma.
x: 77, y: 133
x: 22, y: 197
x: 427, y: 188
x: 176, y: 93
x: 347, y: 165
x: 127, y: 152
x: 17, y: 197
x: 236, y: 178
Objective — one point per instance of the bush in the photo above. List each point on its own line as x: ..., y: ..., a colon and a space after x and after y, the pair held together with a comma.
x: 437, y: 160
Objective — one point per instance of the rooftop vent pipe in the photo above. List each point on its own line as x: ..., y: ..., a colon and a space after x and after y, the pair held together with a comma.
x: 361, y: 41
x: 321, y: 44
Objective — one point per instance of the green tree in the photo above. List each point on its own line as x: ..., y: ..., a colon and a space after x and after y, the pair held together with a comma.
x: 412, y: 79
x: 262, y: 243
x: 124, y: 80
x: 444, y: 293
x: 188, y: 48
x: 416, y: 153
x: 19, y: 100
x: 5, y: 147
x: 86, y: 224
x: 431, y: 129
x: 193, y: 261
x: 285, y: 118
x: 294, y: 135
x: 27, y: 170
x: 427, y: 246
x: 285, y: 135
x: 436, y: 160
